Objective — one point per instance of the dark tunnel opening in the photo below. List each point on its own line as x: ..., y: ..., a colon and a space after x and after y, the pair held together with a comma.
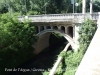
x: 63, y: 28
x: 56, y: 40
x: 41, y: 28
x: 70, y: 31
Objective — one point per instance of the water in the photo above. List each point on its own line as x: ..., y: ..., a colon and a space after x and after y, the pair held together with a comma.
x: 43, y: 61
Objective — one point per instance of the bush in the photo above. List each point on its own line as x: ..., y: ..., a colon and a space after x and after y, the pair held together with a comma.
x: 86, y: 33
x: 33, y: 13
x: 16, y: 39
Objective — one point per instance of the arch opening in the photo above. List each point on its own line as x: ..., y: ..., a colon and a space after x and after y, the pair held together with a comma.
x: 63, y: 28
x: 36, y: 29
x: 48, y: 27
x: 57, y: 42
x: 56, y: 38
x: 41, y: 28
x: 44, y: 40
x: 55, y: 27
x: 70, y: 31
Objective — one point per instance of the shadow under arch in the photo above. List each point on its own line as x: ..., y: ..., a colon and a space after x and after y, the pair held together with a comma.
x: 70, y: 31
x: 43, y: 41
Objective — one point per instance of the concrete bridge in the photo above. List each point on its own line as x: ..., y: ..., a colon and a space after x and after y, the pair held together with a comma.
x: 65, y: 24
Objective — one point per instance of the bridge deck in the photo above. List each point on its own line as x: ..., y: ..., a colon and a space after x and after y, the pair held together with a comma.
x: 76, y: 17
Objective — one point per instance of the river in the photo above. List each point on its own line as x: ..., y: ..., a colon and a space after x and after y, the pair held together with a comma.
x: 41, y: 62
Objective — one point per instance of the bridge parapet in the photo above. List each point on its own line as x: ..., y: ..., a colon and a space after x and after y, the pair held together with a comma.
x: 75, y: 18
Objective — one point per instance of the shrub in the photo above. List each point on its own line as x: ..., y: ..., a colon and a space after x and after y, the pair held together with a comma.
x: 86, y: 32
x: 16, y: 39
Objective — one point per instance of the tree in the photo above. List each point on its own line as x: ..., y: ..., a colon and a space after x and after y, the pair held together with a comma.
x: 59, y: 6
x: 86, y: 32
x: 16, y: 39
x: 96, y: 5
x: 35, y: 6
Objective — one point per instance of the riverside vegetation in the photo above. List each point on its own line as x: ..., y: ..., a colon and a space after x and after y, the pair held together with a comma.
x: 16, y: 41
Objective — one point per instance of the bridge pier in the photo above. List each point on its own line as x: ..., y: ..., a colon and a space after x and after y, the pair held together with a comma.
x: 76, y: 34
x: 44, y: 27
x: 38, y: 28
x: 59, y: 27
x: 66, y: 31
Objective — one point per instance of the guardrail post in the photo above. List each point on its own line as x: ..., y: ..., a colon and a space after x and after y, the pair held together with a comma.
x: 76, y: 29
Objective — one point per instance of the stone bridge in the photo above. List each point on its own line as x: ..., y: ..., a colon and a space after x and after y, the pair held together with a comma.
x: 65, y: 24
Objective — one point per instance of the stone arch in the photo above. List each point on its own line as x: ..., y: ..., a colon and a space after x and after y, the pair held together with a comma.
x: 43, y: 41
x: 41, y: 28
x: 55, y: 27
x: 70, y: 31
x: 63, y: 28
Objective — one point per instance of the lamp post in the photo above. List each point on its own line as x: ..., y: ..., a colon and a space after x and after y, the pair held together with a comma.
x: 84, y: 6
x: 72, y: 2
x: 91, y: 5
x: 76, y: 6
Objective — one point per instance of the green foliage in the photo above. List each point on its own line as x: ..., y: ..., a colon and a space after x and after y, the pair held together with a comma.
x: 32, y: 13
x: 59, y: 6
x: 96, y: 5
x: 63, y: 54
x: 45, y: 73
x: 16, y: 41
x: 56, y: 38
x: 86, y: 32
x: 59, y: 70
x: 38, y: 6
x: 69, y: 64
